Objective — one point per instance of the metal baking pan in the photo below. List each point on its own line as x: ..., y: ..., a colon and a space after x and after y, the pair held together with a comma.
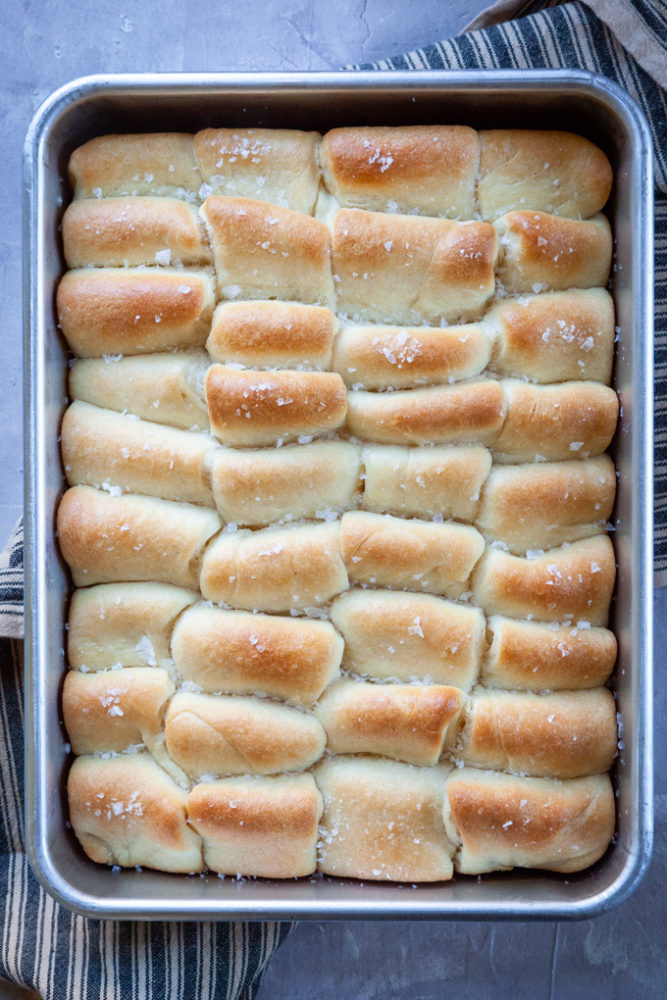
x: 571, y: 100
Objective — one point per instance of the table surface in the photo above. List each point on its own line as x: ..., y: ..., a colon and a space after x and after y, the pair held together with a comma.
x: 45, y: 45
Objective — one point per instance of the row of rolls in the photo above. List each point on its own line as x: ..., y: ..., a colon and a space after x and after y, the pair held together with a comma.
x: 343, y: 581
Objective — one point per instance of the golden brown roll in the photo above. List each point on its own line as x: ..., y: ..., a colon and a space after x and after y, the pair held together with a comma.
x: 240, y: 653
x: 469, y: 413
x: 215, y: 735
x: 117, y: 232
x: 572, y: 582
x: 380, y: 357
x: 555, y: 336
x: 301, y: 480
x: 540, y: 251
x: 248, y: 408
x: 502, y: 821
x: 113, y: 710
x: 430, y: 169
x: 407, y: 270
x: 133, y: 310
x: 408, y: 722
x: 259, y: 826
x: 269, y: 164
x: 127, y: 811
x: 165, y: 388
x: 275, y: 569
x: 121, y: 454
x: 272, y: 335
x: 410, y: 636
x: 124, y: 625
x: 566, y: 734
x: 159, y: 163
x: 109, y: 539
x: 545, y: 504
x: 267, y: 252
x: 383, y: 820
x: 440, y: 481
x: 556, y: 422
x: 556, y: 172
x: 533, y: 655
x: 418, y: 555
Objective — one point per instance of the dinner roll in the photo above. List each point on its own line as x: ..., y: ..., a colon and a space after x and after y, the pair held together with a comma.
x: 272, y: 335
x: 158, y: 163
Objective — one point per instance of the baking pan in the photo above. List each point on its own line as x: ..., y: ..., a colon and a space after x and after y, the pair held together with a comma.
x: 590, y: 105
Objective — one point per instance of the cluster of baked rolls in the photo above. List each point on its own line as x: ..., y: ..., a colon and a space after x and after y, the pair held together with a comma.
x: 337, y: 505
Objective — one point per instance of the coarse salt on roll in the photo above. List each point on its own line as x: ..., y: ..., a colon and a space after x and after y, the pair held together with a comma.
x: 241, y: 653
x: 157, y: 163
x: 127, y: 811
x: 275, y: 569
x: 263, y: 826
x: 107, y: 539
x: 272, y: 335
x: 540, y: 251
x: 410, y: 636
x: 503, y: 821
x: 127, y: 232
x: 532, y: 655
x: 430, y: 169
x: 249, y: 408
x: 468, y: 413
x: 574, y: 582
x: 264, y: 251
x: 407, y: 722
x: 165, y: 388
x: 383, y: 820
x: 555, y: 172
x: 269, y: 164
x: 418, y: 555
x: 106, y: 310
x: 380, y: 357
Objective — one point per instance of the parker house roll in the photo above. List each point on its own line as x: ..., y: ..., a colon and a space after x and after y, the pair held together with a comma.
x: 264, y: 251
x: 127, y: 811
x: 164, y: 388
x: 441, y: 481
x: 380, y: 357
x: 408, y: 722
x: 545, y: 504
x: 539, y: 251
x: 240, y: 653
x: 120, y: 453
x: 133, y: 310
x: 122, y: 232
x: 468, y: 413
x: 275, y: 569
x: 572, y: 582
x: 264, y: 826
x: 555, y: 422
x: 383, y: 820
x: 158, y: 163
x: 269, y: 164
x: 124, y: 625
x: 430, y: 169
x: 302, y: 480
x: 566, y: 734
x: 556, y: 172
x: 272, y: 335
x: 503, y: 821
x: 407, y: 270
x: 249, y: 408
x: 410, y: 637
x: 532, y: 655
x: 108, y: 539
x: 555, y: 336
x: 211, y: 734
x: 418, y: 555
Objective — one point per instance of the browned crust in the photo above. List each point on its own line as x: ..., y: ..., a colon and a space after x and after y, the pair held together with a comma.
x: 272, y: 334
x: 160, y: 163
